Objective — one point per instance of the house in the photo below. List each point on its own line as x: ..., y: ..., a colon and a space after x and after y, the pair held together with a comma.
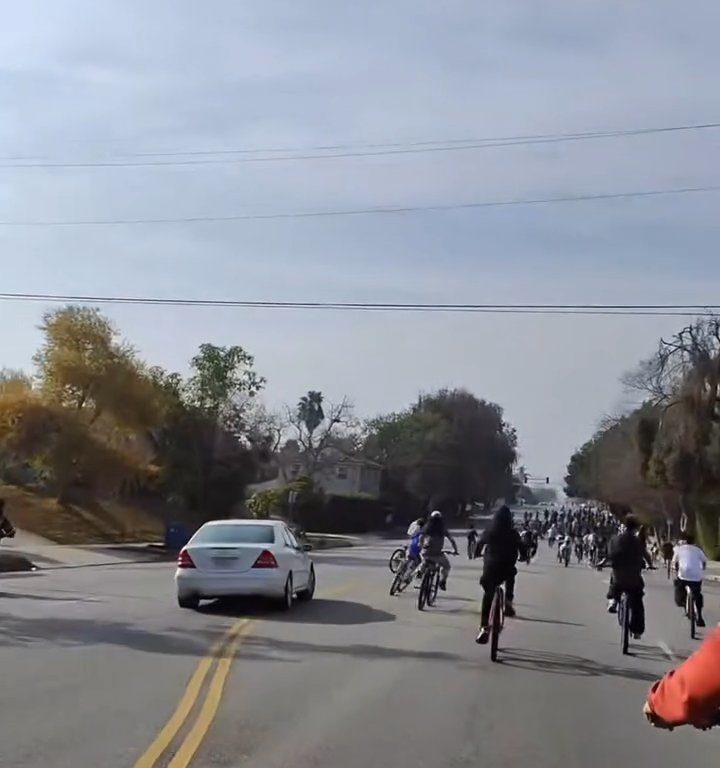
x: 337, y: 473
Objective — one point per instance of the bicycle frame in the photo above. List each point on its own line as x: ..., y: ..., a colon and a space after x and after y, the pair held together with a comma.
x: 690, y: 610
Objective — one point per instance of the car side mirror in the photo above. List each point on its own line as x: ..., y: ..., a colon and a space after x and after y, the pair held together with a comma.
x: 306, y: 547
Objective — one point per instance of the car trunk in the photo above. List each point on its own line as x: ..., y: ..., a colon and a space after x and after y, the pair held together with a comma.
x: 225, y: 558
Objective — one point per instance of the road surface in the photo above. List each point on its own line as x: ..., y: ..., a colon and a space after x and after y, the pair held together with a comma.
x: 100, y: 668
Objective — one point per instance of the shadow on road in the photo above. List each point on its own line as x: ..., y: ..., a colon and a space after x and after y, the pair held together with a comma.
x: 351, y: 561
x: 319, y: 611
x: 566, y: 664
x: 29, y: 632
x: 260, y: 647
x: 653, y: 653
x: 47, y: 598
x: 536, y: 620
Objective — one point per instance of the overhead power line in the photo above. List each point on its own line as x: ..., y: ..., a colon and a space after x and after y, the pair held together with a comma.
x: 377, y: 210
x: 683, y: 310
x: 274, y: 155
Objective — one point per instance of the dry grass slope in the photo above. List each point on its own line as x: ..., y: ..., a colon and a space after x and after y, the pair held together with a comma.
x: 91, y: 523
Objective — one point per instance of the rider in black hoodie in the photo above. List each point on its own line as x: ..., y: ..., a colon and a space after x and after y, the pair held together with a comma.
x: 501, y: 546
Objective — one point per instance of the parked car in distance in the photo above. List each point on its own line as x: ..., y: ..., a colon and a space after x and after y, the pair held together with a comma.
x: 232, y: 558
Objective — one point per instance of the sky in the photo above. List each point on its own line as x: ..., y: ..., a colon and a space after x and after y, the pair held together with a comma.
x: 88, y: 82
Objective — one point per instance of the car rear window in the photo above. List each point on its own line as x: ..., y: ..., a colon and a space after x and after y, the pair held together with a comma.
x: 235, y: 534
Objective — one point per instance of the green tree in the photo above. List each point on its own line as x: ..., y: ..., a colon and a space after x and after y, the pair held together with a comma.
x: 450, y: 447
x: 210, y: 442
x: 680, y: 440
x: 82, y: 364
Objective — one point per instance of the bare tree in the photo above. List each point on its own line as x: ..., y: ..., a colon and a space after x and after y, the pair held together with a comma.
x: 316, y: 438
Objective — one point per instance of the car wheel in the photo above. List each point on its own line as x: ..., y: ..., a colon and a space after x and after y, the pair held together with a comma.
x: 288, y: 595
x: 307, y: 594
x: 189, y: 601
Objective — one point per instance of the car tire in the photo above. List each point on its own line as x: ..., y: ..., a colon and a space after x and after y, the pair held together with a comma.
x: 307, y: 594
x: 288, y: 595
x: 189, y: 601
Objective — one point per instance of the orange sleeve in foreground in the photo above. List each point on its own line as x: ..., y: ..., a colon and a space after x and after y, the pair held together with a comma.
x: 690, y: 694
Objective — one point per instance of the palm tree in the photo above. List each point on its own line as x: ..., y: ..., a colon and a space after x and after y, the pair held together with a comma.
x: 310, y: 410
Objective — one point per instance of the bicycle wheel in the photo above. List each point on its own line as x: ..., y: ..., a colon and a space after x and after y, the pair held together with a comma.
x: 496, y: 618
x: 424, y: 590
x: 408, y: 573
x: 434, y: 585
x: 668, y: 568
x: 471, y: 550
x: 396, y: 560
x: 395, y: 587
x: 624, y: 618
x: 690, y: 612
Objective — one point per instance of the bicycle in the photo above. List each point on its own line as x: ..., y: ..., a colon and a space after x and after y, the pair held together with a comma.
x: 397, y: 558
x: 497, y: 620
x: 404, y: 576
x: 593, y: 558
x: 430, y: 583
x: 668, y: 564
x: 471, y: 549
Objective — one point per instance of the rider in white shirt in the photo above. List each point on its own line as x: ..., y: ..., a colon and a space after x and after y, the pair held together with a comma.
x: 689, y: 562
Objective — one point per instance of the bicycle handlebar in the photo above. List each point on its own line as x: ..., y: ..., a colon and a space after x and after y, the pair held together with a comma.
x: 657, y: 722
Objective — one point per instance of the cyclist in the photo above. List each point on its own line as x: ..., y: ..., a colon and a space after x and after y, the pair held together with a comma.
x: 533, y: 544
x: 526, y: 537
x: 579, y: 549
x: 591, y: 546
x: 501, y: 546
x: 564, y: 543
x: 472, y: 536
x: 416, y: 526
x: 689, y: 562
x: 552, y: 533
x: 433, y: 537
x: 654, y: 552
x: 667, y: 550
x: 626, y: 556
x: 6, y: 527
x: 689, y: 694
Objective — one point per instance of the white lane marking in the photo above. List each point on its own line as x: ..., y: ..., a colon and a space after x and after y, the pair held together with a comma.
x: 666, y: 649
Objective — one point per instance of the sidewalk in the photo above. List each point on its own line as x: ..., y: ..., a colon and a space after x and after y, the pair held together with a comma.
x: 46, y: 554
x: 712, y: 573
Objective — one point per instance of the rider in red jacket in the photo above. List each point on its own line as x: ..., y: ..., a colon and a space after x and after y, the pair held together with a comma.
x: 689, y: 694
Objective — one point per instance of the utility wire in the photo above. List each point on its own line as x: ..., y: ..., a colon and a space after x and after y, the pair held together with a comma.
x: 361, y: 211
x: 210, y: 157
x: 684, y: 310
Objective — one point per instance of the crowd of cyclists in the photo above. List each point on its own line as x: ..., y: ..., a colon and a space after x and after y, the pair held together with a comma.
x: 688, y: 695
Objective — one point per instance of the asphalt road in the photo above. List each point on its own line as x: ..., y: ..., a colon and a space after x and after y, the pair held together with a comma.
x: 100, y: 668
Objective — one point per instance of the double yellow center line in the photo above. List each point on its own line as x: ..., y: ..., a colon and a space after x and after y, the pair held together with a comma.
x: 221, y: 652
x: 220, y: 656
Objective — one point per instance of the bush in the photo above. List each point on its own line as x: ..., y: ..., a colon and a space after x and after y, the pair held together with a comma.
x: 265, y: 504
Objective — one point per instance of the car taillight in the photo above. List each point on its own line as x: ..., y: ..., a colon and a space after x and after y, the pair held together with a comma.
x: 266, y: 559
x: 184, y: 560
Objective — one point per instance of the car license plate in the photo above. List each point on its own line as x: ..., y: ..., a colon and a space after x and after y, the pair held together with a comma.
x: 223, y: 562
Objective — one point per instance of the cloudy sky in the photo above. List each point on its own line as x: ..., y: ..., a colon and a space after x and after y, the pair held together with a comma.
x: 126, y: 81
